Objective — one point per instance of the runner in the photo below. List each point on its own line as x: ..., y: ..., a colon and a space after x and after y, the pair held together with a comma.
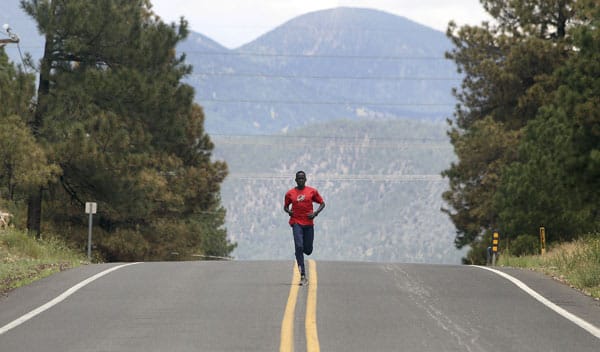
x: 302, y: 214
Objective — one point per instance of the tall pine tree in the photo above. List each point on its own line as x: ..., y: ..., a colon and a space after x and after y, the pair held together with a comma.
x: 556, y: 179
x: 112, y: 110
x: 23, y: 163
x: 508, y: 68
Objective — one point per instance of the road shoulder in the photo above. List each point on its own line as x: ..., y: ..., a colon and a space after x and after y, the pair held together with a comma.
x: 559, y: 293
x: 22, y: 300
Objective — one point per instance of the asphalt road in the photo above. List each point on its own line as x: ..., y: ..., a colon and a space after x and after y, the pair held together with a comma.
x: 241, y: 306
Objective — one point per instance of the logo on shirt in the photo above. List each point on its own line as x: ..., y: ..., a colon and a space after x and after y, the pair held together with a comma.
x: 300, y: 198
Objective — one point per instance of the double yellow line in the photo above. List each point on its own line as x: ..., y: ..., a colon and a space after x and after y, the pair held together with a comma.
x: 310, y: 321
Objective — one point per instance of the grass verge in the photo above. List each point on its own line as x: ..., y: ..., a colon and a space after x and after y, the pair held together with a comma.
x: 24, y: 259
x: 576, y: 263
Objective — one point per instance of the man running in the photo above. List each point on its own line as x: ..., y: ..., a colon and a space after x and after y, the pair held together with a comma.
x: 302, y: 214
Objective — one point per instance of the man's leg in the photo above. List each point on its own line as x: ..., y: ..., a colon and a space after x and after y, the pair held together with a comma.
x: 299, y: 246
x: 309, y: 236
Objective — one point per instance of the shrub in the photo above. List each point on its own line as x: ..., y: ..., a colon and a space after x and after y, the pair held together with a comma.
x: 525, y: 245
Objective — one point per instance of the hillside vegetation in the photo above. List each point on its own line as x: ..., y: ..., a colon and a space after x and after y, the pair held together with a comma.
x: 380, y: 180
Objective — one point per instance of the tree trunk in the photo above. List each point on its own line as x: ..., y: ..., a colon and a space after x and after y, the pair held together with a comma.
x: 34, y: 203
x: 34, y: 212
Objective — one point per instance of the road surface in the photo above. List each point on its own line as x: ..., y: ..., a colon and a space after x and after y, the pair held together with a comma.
x: 258, y: 306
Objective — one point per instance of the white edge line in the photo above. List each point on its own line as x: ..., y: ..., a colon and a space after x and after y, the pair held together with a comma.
x: 58, y: 299
x: 572, y: 317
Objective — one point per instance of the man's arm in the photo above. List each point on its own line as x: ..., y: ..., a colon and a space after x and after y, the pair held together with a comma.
x: 287, y: 209
x: 287, y: 202
x: 316, y: 212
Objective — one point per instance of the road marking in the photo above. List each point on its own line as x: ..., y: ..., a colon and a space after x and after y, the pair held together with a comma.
x: 287, y: 324
x: 310, y: 324
x: 58, y: 299
x: 592, y: 329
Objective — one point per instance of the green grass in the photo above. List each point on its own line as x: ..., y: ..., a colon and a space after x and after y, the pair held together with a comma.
x: 576, y: 263
x: 24, y: 259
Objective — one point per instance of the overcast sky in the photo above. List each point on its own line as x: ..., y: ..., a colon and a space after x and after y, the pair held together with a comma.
x: 233, y: 23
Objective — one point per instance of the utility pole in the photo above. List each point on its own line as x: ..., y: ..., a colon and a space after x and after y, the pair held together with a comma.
x: 12, y: 37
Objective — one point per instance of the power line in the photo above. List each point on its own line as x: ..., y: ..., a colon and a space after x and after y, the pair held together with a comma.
x: 384, y: 78
x: 313, y: 137
x: 304, y: 102
x: 13, y: 38
x: 317, y: 56
x: 302, y: 56
x: 337, y: 145
x: 320, y: 178
x: 329, y: 141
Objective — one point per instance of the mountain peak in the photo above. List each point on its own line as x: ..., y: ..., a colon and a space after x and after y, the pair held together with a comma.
x: 347, y: 29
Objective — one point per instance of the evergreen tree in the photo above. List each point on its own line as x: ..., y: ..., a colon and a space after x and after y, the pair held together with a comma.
x: 23, y: 163
x: 556, y: 179
x: 508, y: 69
x: 16, y: 88
x: 124, y: 129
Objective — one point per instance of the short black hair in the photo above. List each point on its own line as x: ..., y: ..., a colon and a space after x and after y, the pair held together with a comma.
x: 301, y: 172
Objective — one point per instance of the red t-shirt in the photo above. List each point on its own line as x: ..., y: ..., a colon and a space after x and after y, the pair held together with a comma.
x: 302, y: 204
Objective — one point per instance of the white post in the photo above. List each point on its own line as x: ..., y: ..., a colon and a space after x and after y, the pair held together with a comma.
x: 89, y: 253
x: 90, y: 208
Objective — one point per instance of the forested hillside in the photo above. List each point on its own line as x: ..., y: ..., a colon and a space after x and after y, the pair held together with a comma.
x: 380, y: 180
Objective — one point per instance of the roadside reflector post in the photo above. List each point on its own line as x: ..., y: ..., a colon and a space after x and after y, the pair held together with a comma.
x: 543, y: 239
x: 90, y: 208
x: 495, y: 242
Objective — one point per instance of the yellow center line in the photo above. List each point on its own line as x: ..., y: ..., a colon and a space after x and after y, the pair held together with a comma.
x: 310, y: 323
x: 312, y: 338
x: 287, y: 324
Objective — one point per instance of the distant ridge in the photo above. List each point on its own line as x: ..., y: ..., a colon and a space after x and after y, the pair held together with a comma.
x: 341, y: 63
x: 350, y: 31
x: 196, y: 40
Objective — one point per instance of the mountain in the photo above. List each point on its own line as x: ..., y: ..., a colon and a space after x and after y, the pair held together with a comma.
x: 340, y: 63
x: 355, y: 97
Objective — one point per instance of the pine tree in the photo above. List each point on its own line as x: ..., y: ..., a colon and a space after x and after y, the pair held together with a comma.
x: 124, y: 129
x: 508, y: 68
x: 556, y: 179
x: 23, y: 163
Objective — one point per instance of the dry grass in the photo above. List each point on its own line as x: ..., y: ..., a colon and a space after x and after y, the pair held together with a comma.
x: 576, y: 263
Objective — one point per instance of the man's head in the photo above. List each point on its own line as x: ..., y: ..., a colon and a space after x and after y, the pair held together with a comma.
x: 300, y: 179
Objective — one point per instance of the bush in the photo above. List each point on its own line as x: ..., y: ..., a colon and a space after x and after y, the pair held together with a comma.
x: 525, y: 245
x: 477, y: 254
x: 123, y: 245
